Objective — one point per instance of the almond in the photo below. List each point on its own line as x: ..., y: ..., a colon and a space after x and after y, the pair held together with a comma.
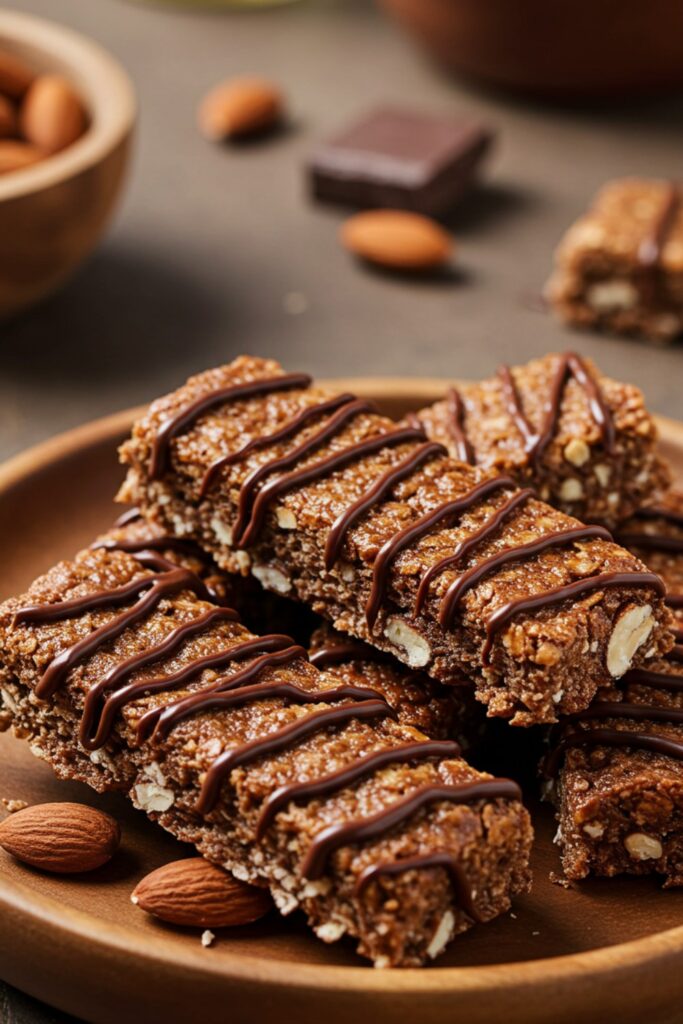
x: 239, y: 107
x: 52, y: 115
x: 397, y: 239
x: 199, y: 894
x: 8, y: 118
x: 15, y: 155
x: 63, y: 838
x: 15, y: 76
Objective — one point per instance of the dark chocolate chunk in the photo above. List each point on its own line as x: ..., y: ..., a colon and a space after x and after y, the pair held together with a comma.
x: 401, y: 159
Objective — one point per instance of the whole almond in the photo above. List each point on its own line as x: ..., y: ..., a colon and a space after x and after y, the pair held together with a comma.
x: 63, y: 838
x: 15, y: 76
x: 239, y: 107
x: 199, y: 894
x: 15, y: 155
x: 397, y: 239
x: 52, y: 115
x: 8, y: 118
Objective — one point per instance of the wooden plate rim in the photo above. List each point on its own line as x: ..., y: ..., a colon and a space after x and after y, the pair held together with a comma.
x: 61, y: 920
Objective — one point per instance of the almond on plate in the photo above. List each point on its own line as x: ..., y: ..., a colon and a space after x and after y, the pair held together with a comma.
x: 52, y: 115
x: 239, y: 107
x: 197, y: 893
x: 64, y: 838
x: 397, y: 239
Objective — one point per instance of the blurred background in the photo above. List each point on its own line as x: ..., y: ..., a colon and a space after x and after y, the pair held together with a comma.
x: 217, y: 250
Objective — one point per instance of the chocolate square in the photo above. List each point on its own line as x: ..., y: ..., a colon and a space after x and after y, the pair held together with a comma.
x: 401, y: 159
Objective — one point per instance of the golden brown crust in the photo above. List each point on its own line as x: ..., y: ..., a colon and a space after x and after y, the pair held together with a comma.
x: 544, y: 662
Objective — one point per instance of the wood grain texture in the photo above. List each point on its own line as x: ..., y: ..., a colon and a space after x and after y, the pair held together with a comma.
x: 605, y: 948
x: 53, y: 213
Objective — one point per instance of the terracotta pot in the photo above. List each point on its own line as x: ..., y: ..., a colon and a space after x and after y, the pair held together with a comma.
x: 53, y: 213
x: 555, y: 48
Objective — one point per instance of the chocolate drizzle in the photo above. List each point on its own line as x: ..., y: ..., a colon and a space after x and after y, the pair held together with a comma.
x: 283, y: 434
x: 360, y: 830
x: 415, y: 531
x: 465, y: 547
x: 316, y: 471
x: 423, y: 862
x: 377, y: 492
x: 658, y: 541
x: 279, y: 740
x: 455, y: 407
x: 297, y: 792
x: 187, y: 416
x: 649, y: 252
x: 650, y: 541
x: 570, y: 365
x: 158, y: 586
x: 556, y: 595
x: 473, y: 576
x: 347, y: 650
x: 600, y: 737
x: 131, y: 515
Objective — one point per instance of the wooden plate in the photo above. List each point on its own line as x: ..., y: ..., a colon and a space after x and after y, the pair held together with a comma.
x: 605, y: 948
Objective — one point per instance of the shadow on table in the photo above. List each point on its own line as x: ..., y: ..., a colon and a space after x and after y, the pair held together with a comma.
x: 120, y: 316
x: 18, y: 1008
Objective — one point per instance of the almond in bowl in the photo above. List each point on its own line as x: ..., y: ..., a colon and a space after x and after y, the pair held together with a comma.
x: 67, y: 111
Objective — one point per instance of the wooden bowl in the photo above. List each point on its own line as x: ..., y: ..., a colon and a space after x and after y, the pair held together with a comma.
x: 557, y: 49
x: 53, y: 213
x: 608, y: 949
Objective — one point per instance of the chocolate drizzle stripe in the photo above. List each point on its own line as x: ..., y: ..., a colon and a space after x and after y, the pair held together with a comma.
x: 473, y: 576
x: 626, y: 709
x: 556, y: 595
x: 158, y: 587
x: 650, y: 541
x: 570, y: 364
x: 415, y: 531
x: 187, y: 416
x: 99, y: 715
x: 456, y: 427
x: 248, y: 498
x: 131, y: 515
x: 279, y: 740
x: 423, y: 862
x: 674, y: 601
x: 646, y: 677
x: 360, y: 830
x: 676, y: 653
x: 164, y: 542
x: 317, y: 471
x: 610, y: 738
x: 376, y: 493
x: 270, y: 651
x: 649, y: 253
x: 117, y: 676
x: 297, y: 792
x: 349, y: 650
x: 659, y: 512
x: 678, y: 635
x: 220, y: 700
x: 285, y: 432
x: 465, y: 547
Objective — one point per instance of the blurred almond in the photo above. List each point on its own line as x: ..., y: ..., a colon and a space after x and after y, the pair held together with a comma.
x: 8, y: 118
x: 397, y: 239
x: 52, y: 115
x: 196, y: 893
x: 63, y: 838
x: 14, y: 155
x: 15, y: 76
x: 239, y: 107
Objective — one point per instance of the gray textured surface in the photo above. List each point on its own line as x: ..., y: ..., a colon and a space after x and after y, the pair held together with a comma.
x: 208, y: 241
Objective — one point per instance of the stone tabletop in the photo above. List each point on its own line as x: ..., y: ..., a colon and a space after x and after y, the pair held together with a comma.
x: 218, y: 251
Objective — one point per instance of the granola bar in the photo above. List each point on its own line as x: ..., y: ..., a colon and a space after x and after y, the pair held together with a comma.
x: 448, y: 568
x: 619, y: 267
x: 125, y: 676
x: 621, y: 807
x: 586, y: 443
